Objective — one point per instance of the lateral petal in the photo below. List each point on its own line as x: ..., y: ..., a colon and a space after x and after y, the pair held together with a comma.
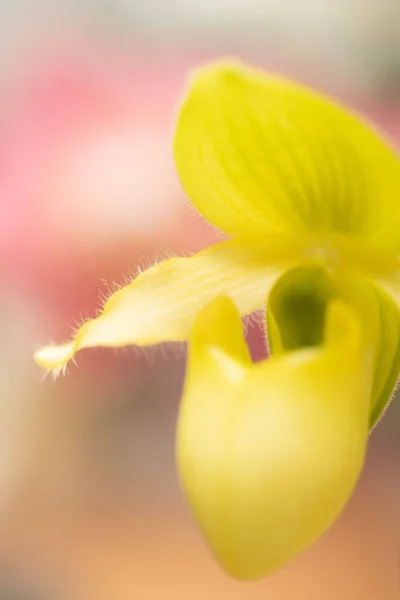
x: 161, y: 303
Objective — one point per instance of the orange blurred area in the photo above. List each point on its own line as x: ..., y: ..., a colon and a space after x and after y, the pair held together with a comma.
x: 90, y: 505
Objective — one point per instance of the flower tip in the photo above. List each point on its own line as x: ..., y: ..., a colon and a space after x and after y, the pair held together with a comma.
x: 222, y: 68
x: 54, y: 357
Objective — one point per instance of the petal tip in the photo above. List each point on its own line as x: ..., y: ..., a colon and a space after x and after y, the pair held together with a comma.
x: 53, y: 358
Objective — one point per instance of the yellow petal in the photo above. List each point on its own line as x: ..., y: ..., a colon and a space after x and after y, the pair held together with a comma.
x: 268, y: 454
x: 161, y: 303
x: 387, y: 367
x: 257, y: 153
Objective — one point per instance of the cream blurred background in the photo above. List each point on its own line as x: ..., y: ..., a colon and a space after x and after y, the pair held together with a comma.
x: 90, y: 506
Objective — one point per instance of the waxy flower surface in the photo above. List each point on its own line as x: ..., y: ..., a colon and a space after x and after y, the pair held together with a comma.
x: 308, y: 194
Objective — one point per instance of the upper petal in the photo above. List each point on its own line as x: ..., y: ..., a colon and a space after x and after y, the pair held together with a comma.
x: 268, y: 454
x: 161, y: 303
x: 256, y: 153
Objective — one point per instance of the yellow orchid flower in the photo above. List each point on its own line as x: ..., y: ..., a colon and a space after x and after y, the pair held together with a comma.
x: 269, y: 453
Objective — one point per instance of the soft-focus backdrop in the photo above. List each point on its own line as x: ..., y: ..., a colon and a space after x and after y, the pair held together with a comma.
x: 90, y: 506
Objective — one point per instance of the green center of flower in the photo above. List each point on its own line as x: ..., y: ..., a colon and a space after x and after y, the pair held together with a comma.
x: 297, y: 306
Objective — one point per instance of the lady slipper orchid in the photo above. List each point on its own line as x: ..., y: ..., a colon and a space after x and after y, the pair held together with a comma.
x: 269, y: 453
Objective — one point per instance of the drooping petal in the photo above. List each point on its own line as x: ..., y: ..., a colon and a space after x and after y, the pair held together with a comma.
x: 296, y: 310
x: 257, y: 153
x: 269, y: 453
x: 387, y: 368
x: 161, y: 303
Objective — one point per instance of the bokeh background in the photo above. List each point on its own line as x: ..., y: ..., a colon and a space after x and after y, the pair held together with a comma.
x: 90, y: 506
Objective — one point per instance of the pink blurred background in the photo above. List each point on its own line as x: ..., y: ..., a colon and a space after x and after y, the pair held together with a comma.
x: 90, y: 505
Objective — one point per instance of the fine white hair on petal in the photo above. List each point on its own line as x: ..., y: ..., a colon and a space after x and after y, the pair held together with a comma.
x: 159, y: 306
